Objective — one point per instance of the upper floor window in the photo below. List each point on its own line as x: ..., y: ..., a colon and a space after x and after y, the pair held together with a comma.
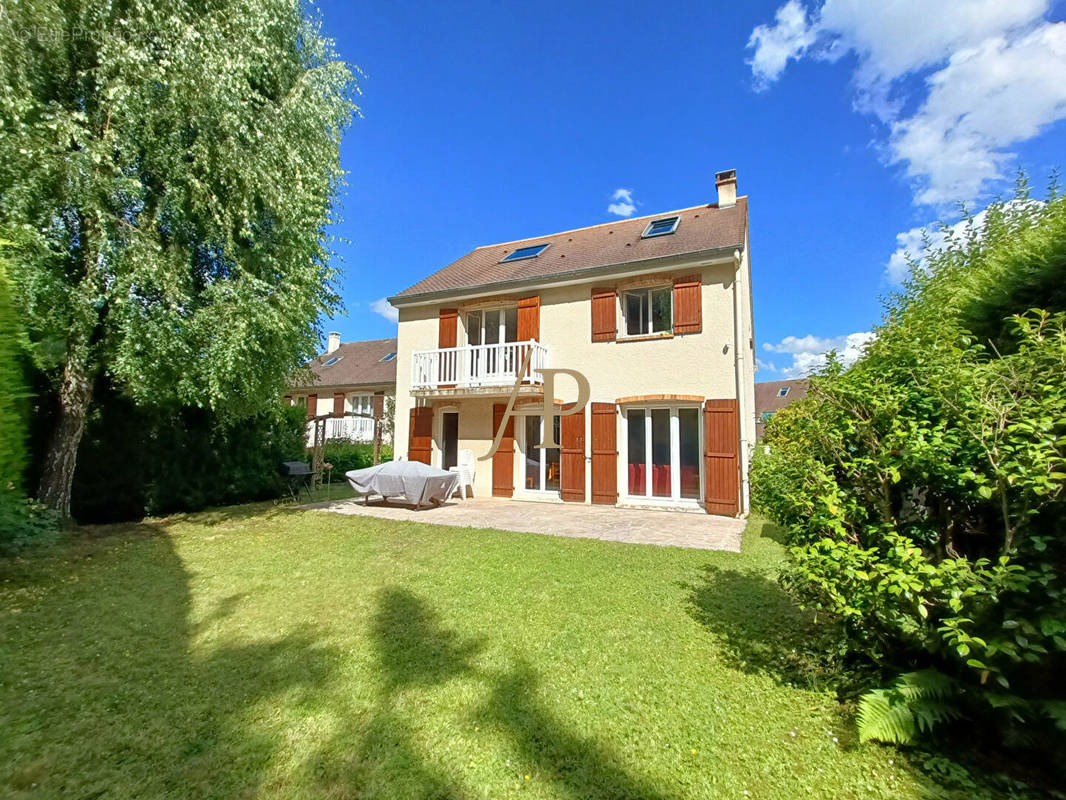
x: 492, y: 326
x: 660, y: 227
x: 648, y: 311
x: 783, y: 391
x: 525, y: 252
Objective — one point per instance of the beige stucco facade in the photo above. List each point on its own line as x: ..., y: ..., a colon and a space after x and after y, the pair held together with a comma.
x: 679, y: 370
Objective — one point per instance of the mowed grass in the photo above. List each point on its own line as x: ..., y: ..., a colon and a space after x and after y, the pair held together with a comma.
x: 259, y: 651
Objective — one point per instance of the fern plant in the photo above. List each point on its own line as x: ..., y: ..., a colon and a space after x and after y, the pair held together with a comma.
x: 915, y: 703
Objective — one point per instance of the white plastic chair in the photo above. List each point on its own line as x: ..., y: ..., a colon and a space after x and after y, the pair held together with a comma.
x: 466, y: 470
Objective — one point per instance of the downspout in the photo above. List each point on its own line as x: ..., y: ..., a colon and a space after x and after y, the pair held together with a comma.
x: 738, y: 364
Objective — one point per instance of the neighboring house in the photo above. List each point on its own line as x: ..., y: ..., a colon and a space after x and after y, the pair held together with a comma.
x: 350, y: 377
x: 772, y: 396
x: 656, y: 312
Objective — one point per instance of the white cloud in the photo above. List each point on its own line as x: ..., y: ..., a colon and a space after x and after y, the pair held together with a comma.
x: 809, y: 352
x: 765, y: 366
x: 382, y: 306
x: 789, y: 37
x: 624, y: 205
x: 994, y: 75
x: 987, y: 98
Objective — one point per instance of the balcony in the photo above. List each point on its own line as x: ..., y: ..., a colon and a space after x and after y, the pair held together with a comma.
x: 476, y: 367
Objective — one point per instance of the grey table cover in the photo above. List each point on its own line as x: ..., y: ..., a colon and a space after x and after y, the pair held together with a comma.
x: 416, y: 482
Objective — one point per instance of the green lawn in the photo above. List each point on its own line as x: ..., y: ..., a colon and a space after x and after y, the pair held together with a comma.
x: 259, y: 651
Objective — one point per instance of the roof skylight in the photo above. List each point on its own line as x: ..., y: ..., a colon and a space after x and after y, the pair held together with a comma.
x: 525, y: 252
x: 332, y: 361
x: 660, y: 227
x: 388, y: 357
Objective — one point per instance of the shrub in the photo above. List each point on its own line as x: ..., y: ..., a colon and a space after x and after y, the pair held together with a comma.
x: 924, y: 488
x: 347, y: 455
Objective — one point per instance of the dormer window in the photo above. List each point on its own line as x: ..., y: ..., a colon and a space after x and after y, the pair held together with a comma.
x: 525, y: 252
x: 661, y: 227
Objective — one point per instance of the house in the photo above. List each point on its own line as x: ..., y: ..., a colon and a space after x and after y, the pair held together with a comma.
x: 772, y: 396
x: 656, y: 313
x: 355, y: 377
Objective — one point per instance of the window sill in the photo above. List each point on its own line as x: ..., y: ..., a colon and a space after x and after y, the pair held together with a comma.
x: 647, y: 337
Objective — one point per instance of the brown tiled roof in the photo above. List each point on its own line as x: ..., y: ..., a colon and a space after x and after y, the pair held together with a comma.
x: 701, y: 228
x: 766, y: 398
x: 360, y: 364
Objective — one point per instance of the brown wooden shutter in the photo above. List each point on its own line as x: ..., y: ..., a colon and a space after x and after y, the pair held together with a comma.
x: 572, y: 457
x: 688, y: 313
x: 721, y: 457
x: 604, y: 454
x: 448, y: 335
x: 503, y: 459
x: 529, y: 319
x: 379, y: 405
x: 604, y: 315
x: 338, y: 405
x: 420, y: 437
x: 312, y: 405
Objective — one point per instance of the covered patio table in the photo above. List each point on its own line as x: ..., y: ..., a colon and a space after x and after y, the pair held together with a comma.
x: 418, y: 483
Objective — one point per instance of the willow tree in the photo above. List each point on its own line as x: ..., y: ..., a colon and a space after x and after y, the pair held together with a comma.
x: 167, y: 173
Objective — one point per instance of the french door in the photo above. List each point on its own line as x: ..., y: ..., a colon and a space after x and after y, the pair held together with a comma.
x: 663, y: 453
x: 542, y: 465
x: 489, y: 327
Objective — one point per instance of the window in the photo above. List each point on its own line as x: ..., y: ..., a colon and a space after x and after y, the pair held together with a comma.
x: 661, y: 227
x: 766, y: 416
x: 525, y: 252
x: 542, y: 464
x: 388, y: 357
x: 648, y: 311
x: 491, y: 326
x: 332, y: 361
x: 663, y: 453
x: 783, y: 391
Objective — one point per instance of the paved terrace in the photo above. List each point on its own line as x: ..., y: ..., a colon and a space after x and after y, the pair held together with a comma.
x: 632, y: 525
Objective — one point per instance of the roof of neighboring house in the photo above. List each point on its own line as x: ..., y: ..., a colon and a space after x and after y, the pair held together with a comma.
x: 766, y: 394
x: 701, y: 228
x: 358, y: 364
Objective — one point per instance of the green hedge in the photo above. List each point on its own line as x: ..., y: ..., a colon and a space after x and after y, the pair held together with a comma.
x: 134, y: 462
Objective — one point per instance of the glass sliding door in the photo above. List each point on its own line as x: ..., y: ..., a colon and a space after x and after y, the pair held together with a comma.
x: 663, y: 453
x: 688, y: 420
x: 636, y: 438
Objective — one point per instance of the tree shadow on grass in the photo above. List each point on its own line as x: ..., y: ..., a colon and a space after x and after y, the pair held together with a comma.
x: 106, y: 694
x: 761, y: 629
x: 575, y: 766
x: 381, y: 757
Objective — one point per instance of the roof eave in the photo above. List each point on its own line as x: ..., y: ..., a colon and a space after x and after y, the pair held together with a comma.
x: 713, y: 255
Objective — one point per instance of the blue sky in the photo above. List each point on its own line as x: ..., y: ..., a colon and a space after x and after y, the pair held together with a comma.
x: 485, y: 122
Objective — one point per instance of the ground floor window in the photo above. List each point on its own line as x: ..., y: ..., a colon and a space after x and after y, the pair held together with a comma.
x: 663, y: 453
x: 541, y: 465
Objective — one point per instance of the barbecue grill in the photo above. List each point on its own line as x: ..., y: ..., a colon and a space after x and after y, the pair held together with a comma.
x: 298, y: 477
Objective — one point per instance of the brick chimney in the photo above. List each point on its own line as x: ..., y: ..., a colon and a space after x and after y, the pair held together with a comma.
x: 726, y: 183
x: 334, y: 341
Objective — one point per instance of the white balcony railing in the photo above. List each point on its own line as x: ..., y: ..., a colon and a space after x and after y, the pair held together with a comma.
x: 359, y: 429
x: 475, y: 366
